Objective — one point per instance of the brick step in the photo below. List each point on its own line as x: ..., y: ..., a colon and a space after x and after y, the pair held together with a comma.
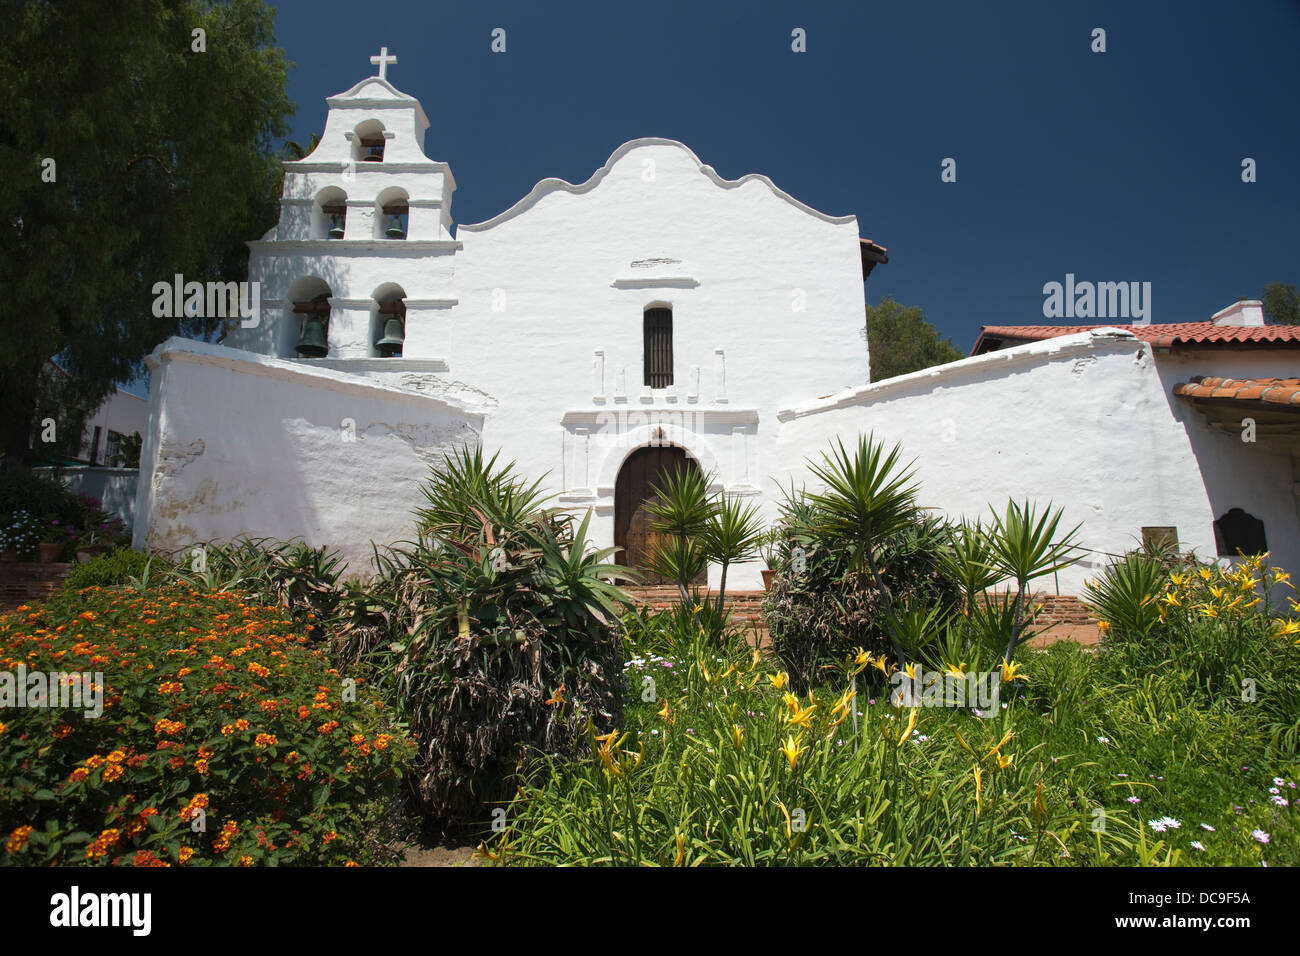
x: 22, y: 582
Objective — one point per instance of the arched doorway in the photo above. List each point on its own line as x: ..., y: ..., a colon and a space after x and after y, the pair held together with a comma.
x: 641, y: 472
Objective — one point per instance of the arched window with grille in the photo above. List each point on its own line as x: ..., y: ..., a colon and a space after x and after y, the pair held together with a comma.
x: 658, y: 347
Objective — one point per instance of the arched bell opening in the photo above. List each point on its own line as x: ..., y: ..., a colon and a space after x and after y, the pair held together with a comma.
x: 305, y: 329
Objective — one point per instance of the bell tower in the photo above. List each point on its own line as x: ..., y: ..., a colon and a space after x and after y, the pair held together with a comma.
x: 365, y: 226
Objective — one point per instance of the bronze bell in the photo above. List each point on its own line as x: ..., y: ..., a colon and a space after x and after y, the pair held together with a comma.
x: 313, y: 344
x: 391, y: 344
x: 336, y: 225
x: 395, y: 228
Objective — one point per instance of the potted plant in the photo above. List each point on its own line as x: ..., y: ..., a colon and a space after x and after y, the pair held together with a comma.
x: 768, y: 549
x: 54, y: 538
x: 19, y: 535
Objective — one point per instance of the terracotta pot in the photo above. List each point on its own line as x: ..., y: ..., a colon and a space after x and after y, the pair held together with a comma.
x: 768, y: 575
x: 50, y: 551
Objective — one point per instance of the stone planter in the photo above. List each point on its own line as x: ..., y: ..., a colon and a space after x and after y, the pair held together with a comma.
x: 50, y: 552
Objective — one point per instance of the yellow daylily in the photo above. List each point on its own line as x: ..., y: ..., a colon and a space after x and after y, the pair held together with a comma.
x: 681, y: 850
x: 708, y: 678
x: 999, y: 744
x: 792, y: 750
x: 1209, y: 610
x: 801, y: 716
x: 754, y: 663
x: 737, y: 733
x: 728, y: 672
x: 842, y: 705
x: 1012, y: 672
x: 779, y: 680
x: 881, y: 665
x: 789, y: 834
x: 1004, y: 761
x: 1286, y: 628
x: 979, y: 779
x: 907, y: 731
x: 791, y: 701
x: 860, y: 662
x: 1177, y: 579
x: 1172, y: 600
x: 666, y: 712
x: 910, y: 670
x: 955, y: 670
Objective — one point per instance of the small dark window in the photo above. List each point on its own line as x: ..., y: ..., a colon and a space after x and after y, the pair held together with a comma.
x: 659, y: 348
x: 372, y: 149
x: 94, y: 446
x: 1239, y: 533
x: 1156, y: 540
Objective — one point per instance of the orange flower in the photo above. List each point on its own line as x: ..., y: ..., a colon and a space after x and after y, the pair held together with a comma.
x: 358, y: 739
x: 170, y: 687
x: 17, y: 841
x: 78, y: 775
x: 304, y: 712
x: 201, y: 766
x: 381, y: 742
x: 117, y: 756
x: 258, y: 669
x: 112, y: 772
x: 241, y: 724
x: 326, y: 728
x: 184, y: 854
x: 330, y: 837
x: 245, y: 860
x: 262, y: 741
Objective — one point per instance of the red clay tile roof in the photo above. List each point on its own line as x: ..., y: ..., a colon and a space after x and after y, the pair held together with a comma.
x: 1161, y: 336
x: 873, y: 254
x: 1275, y: 391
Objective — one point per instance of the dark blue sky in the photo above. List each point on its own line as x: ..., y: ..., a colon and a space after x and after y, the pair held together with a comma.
x: 1121, y: 166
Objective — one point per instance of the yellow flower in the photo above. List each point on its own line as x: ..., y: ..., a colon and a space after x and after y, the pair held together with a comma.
x: 955, y: 670
x: 1286, y: 628
x: 979, y: 779
x: 681, y: 850
x: 791, y: 749
x: 998, y: 745
x: 861, y: 661
x: 708, y: 679
x: 1005, y: 761
x: 1177, y: 579
x: 1012, y: 672
x: 1172, y: 600
x: 1209, y: 610
x: 791, y: 701
x: 881, y: 664
x: 842, y: 705
x: 737, y: 733
x: 666, y: 712
x: 754, y: 663
x: 800, y: 715
x: 907, y: 731
x: 786, y: 813
x: 698, y: 609
x: 910, y: 670
x: 779, y: 681
x: 1103, y: 626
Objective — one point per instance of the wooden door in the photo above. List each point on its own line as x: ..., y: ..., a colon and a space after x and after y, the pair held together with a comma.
x: 644, y: 469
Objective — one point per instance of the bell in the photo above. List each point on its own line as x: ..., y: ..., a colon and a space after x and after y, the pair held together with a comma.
x: 395, y: 229
x: 336, y: 226
x: 391, y: 344
x: 313, y: 344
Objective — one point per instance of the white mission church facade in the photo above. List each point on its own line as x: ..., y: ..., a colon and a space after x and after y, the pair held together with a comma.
x: 597, y: 333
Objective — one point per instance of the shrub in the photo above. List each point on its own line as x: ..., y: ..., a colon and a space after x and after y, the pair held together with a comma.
x: 499, y: 629
x: 24, y: 491
x: 819, y: 610
x: 109, y: 570
x: 207, y: 704
x: 287, y: 574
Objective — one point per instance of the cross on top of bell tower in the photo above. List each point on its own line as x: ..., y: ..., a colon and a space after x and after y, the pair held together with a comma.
x: 382, y: 61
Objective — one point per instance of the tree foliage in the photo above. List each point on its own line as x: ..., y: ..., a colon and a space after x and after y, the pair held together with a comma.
x: 900, y: 340
x: 162, y: 161
x: 1281, y: 304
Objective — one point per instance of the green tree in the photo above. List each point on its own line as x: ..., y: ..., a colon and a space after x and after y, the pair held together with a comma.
x: 900, y: 341
x: 1281, y: 304
x: 130, y: 155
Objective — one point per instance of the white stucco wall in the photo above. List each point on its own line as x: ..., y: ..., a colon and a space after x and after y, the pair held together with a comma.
x: 239, y: 444
x: 1087, y: 422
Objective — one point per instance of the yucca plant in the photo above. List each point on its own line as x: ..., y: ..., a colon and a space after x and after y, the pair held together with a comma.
x: 869, y: 496
x: 1024, y: 546
x: 700, y: 528
x: 1127, y: 595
